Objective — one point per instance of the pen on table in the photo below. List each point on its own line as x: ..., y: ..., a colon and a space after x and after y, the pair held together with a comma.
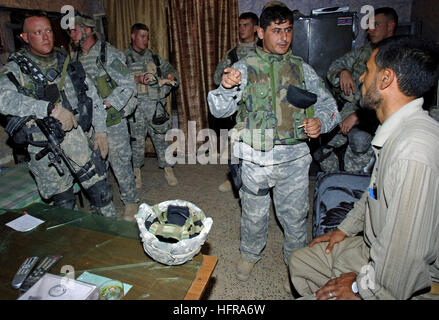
x: 63, y: 224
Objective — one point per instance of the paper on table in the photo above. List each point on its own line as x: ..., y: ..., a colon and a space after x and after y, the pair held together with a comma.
x: 25, y: 223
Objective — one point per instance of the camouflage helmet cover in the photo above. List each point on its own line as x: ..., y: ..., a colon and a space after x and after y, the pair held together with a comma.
x: 85, y: 21
x: 171, y: 253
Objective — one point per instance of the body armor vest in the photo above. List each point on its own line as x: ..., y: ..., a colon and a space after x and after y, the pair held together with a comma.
x: 39, y: 88
x: 266, y: 115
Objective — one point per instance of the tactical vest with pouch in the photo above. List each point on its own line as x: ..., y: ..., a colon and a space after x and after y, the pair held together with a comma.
x: 105, y: 86
x: 266, y: 117
x: 43, y: 87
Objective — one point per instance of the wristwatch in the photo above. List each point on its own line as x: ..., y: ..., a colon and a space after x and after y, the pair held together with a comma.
x: 355, y: 289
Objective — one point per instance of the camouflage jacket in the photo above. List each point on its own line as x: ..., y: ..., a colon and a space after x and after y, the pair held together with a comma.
x: 144, y: 63
x: 16, y: 104
x: 242, y: 50
x: 224, y: 102
x: 114, y: 65
x: 355, y: 62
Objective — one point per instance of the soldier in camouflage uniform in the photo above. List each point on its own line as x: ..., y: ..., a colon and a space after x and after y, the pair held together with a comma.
x: 358, y: 124
x: 26, y: 82
x: 155, y: 77
x: 271, y: 133
x: 248, y: 23
x: 105, y: 65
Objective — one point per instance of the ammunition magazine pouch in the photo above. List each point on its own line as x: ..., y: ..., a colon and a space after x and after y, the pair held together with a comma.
x: 84, y: 112
x: 87, y: 171
x: 113, y: 117
x: 105, y: 85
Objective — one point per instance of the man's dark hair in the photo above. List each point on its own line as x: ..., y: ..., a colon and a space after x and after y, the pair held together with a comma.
x: 138, y: 26
x: 390, y: 13
x: 250, y: 15
x: 276, y: 14
x: 414, y: 61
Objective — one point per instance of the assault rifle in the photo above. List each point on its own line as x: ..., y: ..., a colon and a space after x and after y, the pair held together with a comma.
x: 51, y: 128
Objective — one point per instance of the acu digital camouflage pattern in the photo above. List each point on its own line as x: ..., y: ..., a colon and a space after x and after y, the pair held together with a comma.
x: 171, y: 253
x: 357, y: 155
x: 122, y: 99
x: 265, y: 105
x: 355, y: 62
x: 290, y: 198
x: 75, y: 145
x: 151, y: 97
x: 286, y: 173
x: 242, y: 51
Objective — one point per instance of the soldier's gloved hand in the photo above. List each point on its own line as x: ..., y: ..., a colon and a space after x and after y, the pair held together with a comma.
x: 66, y: 118
x: 101, y: 142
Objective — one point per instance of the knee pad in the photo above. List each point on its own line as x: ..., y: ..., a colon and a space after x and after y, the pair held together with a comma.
x: 65, y: 199
x: 359, y: 140
x: 100, y: 194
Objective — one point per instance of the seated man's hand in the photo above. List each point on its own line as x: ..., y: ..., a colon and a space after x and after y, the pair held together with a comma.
x: 348, y: 123
x: 339, y: 288
x: 332, y: 237
x: 313, y: 127
x: 231, y: 77
x: 101, y: 142
x: 347, y: 84
x: 66, y: 118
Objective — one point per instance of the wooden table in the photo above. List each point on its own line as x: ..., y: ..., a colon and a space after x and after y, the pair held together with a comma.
x: 104, y: 246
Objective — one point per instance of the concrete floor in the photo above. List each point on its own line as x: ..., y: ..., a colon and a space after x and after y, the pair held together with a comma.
x: 199, y: 185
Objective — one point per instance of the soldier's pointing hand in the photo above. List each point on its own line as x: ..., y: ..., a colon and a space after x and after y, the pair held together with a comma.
x: 231, y: 77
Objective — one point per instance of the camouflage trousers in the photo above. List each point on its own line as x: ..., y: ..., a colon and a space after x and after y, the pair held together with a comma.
x: 140, y: 127
x: 77, y: 149
x: 356, y: 157
x: 119, y: 158
x: 289, y: 182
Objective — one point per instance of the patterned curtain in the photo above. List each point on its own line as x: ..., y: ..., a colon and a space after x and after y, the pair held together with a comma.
x: 122, y: 14
x: 201, y: 32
